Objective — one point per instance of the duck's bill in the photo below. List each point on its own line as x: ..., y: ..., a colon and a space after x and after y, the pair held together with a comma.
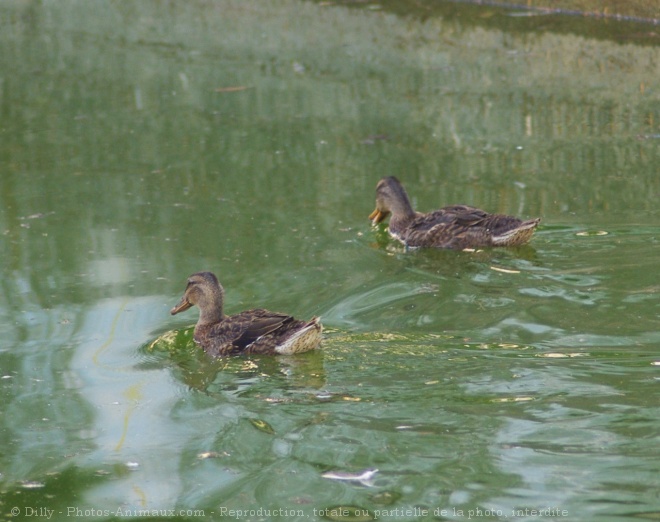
x: 377, y: 216
x: 183, y: 305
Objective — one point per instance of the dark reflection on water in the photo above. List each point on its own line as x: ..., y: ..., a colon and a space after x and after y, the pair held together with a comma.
x: 143, y: 142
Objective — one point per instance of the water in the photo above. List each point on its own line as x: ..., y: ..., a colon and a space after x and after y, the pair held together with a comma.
x: 141, y: 143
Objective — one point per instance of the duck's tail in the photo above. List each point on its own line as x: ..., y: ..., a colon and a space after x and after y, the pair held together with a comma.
x: 305, y: 339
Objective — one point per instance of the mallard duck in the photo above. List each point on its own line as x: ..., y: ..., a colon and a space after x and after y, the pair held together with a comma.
x: 252, y: 331
x: 457, y: 226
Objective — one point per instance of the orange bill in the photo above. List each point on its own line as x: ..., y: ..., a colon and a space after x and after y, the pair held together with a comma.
x: 183, y: 305
x: 377, y: 216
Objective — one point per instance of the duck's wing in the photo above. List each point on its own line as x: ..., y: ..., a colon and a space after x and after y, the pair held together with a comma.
x: 462, y: 226
x: 258, y: 323
x: 460, y: 216
x: 237, y: 332
x: 444, y: 227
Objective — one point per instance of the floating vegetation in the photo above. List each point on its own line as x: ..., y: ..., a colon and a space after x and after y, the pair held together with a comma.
x: 262, y: 426
x: 590, y: 233
x: 513, y: 399
x: 385, y: 498
x: 171, y: 340
x: 504, y: 270
x: 363, y: 477
x: 555, y: 355
x: 32, y: 484
x: 341, y: 475
x: 211, y: 455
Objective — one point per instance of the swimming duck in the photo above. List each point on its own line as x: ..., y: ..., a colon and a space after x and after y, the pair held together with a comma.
x: 251, y: 331
x: 457, y: 226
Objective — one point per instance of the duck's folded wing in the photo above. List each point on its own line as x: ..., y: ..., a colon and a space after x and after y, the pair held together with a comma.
x: 464, y: 216
x: 456, y: 216
x: 249, y: 326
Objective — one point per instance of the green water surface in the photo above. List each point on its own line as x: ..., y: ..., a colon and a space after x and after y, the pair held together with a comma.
x: 144, y: 141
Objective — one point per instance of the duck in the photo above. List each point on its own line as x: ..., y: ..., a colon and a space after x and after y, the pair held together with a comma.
x: 456, y: 227
x: 256, y: 331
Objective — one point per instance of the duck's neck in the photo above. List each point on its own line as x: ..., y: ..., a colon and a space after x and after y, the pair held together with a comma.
x: 211, y: 311
x: 401, y: 208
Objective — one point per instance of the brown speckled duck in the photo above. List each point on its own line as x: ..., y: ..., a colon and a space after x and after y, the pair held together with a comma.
x: 457, y: 226
x: 252, y: 331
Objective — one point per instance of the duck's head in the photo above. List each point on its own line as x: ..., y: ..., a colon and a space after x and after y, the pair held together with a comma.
x: 203, y: 290
x: 390, y: 197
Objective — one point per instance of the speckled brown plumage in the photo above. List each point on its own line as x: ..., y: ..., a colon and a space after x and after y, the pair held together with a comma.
x: 457, y: 226
x: 251, y: 331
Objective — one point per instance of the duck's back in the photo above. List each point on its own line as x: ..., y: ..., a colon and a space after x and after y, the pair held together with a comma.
x: 251, y: 331
x: 462, y: 226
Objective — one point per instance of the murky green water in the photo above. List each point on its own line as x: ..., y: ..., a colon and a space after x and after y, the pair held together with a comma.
x: 140, y: 142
